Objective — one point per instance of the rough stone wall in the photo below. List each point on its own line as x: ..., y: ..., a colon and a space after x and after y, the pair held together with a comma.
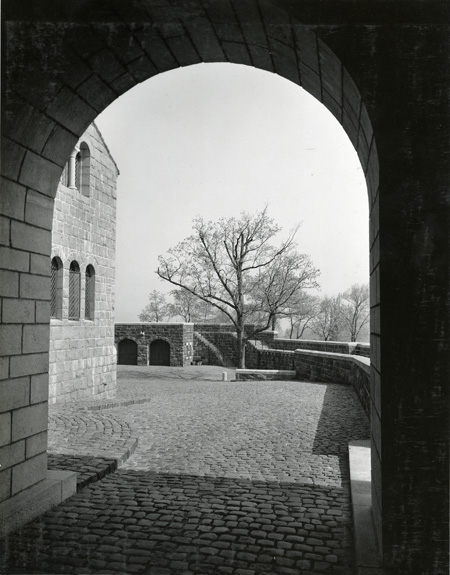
x: 82, y: 360
x: 178, y: 335
x: 275, y: 359
x: 336, y: 368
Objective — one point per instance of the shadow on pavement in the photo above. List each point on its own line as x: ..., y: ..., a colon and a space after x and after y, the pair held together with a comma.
x: 167, y: 524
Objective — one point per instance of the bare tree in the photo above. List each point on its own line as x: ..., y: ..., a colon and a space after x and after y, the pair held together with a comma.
x: 232, y: 265
x: 328, y: 322
x: 190, y: 308
x: 156, y: 309
x: 303, y: 309
x: 355, y: 309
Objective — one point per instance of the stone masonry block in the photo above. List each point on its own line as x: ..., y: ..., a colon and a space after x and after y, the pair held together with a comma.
x: 39, y: 388
x: 29, y: 420
x: 108, y: 66
x: 5, y: 484
x: 14, y: 259
x: 33, y: 364
x: 9, y: 283
x: 352, y: 97
x: 42, y: 312
x: 36, y: 444
x: 99, y: 93
x: 26, y: 237
x: 4, y: 367
x: 40, y: 174
x: 36, y: 338
x: 12, y: 454
x: 39, y: 210
x: 205, y: 40
x: 71, y: 112
x: 285, y: 61
x: 306, y: 43
x: 34, y: 287
x: 5, y: 228
x: 375, y: 253
x: 12, y: 157
x: 5, y: 428
x: 28, y: 473
x: 18, y: 311
x: 331, y: 70
x: 12, y: 199
x: 40, y: 265
x: 14, y: 393
x: 59, y: 145
x: 183, y: 50
x: 10, y: 339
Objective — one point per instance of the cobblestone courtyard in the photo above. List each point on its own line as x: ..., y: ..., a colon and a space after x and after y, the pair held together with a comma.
x: 238, y: 478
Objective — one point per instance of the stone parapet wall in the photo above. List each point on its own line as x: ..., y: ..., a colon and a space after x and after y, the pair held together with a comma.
x: 317, y: 345
x: 336, y: 368
x: 82, y: 361
x: 276, y: 359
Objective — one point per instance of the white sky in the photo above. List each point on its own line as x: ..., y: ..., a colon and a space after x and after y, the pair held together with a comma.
x: 218, y: 139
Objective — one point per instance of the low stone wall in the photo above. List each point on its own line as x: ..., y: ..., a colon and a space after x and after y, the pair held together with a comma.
x: 272, y: 359
x: 316, y: 345
x: 362, y: 349
x: 336, y: 368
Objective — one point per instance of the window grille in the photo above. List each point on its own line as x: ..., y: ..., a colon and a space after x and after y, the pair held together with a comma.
x: 78, y: 171
x: 89, y: 304
x: 54, y: 290
x: 74, y: 291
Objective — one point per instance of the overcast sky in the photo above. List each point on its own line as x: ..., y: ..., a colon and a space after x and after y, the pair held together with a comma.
x: 218, y: 139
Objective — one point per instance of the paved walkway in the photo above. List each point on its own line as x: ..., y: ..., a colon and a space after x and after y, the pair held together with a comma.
x: 239, y: 478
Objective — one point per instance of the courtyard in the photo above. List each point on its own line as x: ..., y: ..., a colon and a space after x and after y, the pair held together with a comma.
x: 212, y: 477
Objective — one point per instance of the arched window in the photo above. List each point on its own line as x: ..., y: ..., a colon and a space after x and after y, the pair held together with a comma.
x: 79, y: 170
x: 89, y: 294
x: 56, y: 289
x: 74, y: 291
x: 84, y: 170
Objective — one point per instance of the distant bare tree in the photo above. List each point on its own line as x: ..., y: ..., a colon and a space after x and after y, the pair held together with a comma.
x: 327, y: 324
x: 302, y: 311
x: 190, y: 308
x: 156, y: 309
x: 355, y: 309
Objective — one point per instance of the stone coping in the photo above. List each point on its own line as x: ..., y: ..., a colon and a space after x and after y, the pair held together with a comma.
x: 267, y: 371
x: 367, y: 556
x: 361, y: 361
x: 153, y: 323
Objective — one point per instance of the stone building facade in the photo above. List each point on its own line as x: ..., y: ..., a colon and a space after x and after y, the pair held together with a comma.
x: 155, y: 343
x: 82, y: 354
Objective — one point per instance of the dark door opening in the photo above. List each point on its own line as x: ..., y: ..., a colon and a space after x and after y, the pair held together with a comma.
x: 159, y: 352
x: 127, y: 352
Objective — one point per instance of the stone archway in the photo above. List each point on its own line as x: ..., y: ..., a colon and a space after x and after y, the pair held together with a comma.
x: 64, y: 65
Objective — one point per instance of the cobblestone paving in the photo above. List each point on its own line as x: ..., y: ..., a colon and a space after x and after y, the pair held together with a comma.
x: 240, y: 478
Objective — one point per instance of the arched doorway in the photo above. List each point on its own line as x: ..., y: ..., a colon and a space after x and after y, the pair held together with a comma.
x: 128, y: 352
x: 159, y: 352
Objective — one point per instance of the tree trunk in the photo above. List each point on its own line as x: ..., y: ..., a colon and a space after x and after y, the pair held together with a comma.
x: 241, y: 347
